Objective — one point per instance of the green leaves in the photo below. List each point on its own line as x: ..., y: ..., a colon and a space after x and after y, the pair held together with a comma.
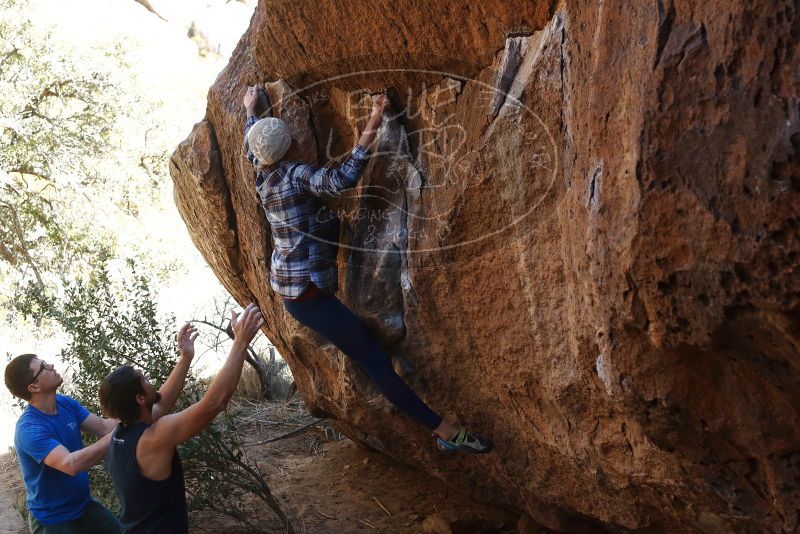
x: 75, y: 151
x: 111, y: 321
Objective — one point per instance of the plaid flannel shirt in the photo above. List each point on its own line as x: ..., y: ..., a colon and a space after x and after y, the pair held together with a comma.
x: 305, y: 234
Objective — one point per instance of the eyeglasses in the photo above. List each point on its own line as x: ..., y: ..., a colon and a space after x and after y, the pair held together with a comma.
x: 44, y: 366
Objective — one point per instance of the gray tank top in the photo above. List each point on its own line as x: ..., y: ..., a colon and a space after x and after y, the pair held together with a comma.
x: 148, y: 506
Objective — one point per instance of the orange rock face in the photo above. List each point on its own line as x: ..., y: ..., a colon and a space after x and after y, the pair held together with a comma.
x: 578, y: 235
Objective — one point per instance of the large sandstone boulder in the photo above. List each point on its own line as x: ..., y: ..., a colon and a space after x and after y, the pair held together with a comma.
x: 580, y: 236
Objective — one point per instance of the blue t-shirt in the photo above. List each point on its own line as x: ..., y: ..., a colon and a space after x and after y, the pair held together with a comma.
x: 53, y: 497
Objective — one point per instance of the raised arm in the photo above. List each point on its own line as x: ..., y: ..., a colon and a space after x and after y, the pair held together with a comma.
x: 255, y: 102
x: 374, y: 122
x: 173, y: 429
x: 177, y: 378
x: 313, y: 179
x: 332, y: 181
x: 98, y: 426
x: 72, y: 463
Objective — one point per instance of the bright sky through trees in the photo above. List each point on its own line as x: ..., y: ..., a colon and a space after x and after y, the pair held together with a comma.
x: 138, y: 83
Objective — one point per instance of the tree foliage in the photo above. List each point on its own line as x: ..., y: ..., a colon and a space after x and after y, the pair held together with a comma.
x: 65, y: 114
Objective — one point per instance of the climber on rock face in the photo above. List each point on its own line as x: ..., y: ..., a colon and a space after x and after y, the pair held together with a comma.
x: 303, y: 268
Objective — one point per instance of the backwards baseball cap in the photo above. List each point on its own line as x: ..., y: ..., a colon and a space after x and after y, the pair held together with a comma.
x: 269, y: 140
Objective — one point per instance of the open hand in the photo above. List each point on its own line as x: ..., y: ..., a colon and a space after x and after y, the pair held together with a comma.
x: 246, y: 326
x: 186, y: 336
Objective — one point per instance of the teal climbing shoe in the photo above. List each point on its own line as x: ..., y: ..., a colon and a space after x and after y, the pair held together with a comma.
x: 464, y: 441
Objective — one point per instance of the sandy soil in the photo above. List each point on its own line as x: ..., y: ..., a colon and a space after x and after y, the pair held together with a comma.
x: 330, y: 485
x: 348, y: 489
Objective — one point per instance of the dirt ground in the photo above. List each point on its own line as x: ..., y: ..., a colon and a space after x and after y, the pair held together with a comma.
x: 344, y: 488
x: 328, y: 484
x: 10, y: 493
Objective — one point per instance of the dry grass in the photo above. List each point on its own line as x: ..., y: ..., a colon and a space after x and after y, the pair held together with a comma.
x: 259, y: 420
x: 262, y: 415
x: 271, y: 419
x: 249, y: 387
x: 279, y: 386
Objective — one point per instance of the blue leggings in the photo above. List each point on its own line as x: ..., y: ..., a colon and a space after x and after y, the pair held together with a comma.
x: 329, y: 317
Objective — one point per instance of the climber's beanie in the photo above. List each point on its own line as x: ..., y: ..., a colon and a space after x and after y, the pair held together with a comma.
x: 269, y: 140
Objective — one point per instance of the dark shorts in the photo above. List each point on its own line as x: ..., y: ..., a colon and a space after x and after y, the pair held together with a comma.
x: 96, y: 519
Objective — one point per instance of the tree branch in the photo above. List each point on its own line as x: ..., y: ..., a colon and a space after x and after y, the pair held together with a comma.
x: 24, y: 249
x: 287, y: 435
x: 252, y: 358
x: 149, y: 8
x: 26, y: 169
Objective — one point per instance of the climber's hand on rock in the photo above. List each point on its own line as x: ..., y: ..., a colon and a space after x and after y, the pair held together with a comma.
x: 250, y: 97
x: 379, y: 105
x: 374, y: 123
x: 253, y: 97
